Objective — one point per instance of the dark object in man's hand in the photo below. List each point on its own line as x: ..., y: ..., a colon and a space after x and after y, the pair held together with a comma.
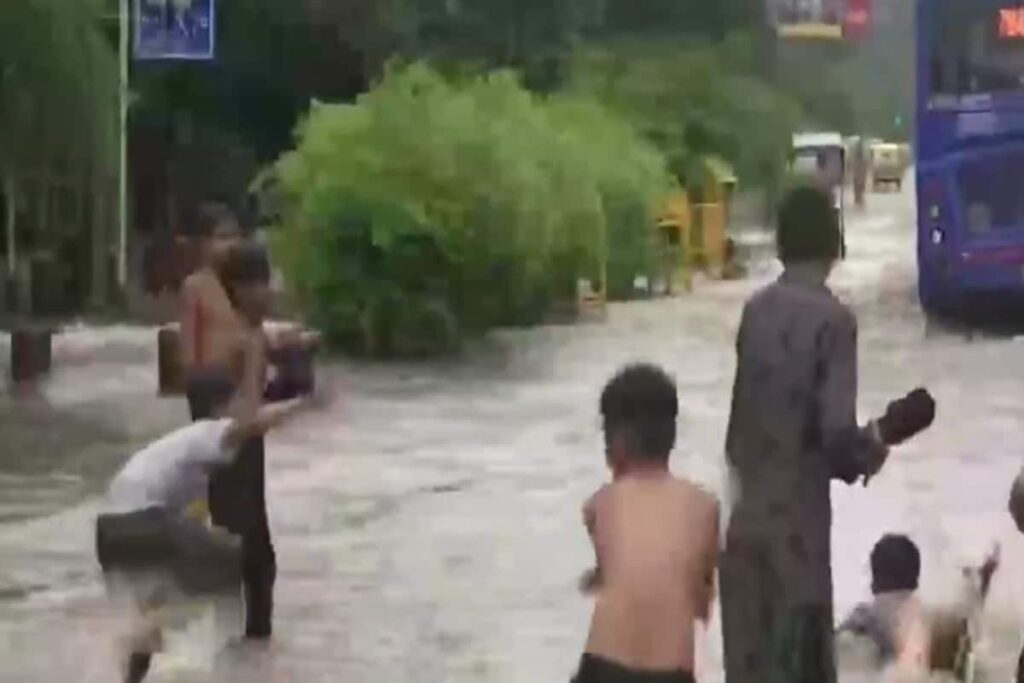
x: 907, y: 417
x: 293, y: 374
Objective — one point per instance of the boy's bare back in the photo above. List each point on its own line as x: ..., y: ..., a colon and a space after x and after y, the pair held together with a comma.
x: 656, y: 539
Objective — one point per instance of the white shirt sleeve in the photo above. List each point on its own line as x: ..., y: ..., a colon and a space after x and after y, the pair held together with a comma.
x: 206, y: 446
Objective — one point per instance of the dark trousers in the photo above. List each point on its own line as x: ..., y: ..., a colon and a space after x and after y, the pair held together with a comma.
x: 767, y: 639
x: 237, y: 498
x: 1020, y: 668
x: 238, y: 503
x: 599, y: 670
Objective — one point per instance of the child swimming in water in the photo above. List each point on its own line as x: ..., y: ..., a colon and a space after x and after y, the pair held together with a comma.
x: 906, y: 638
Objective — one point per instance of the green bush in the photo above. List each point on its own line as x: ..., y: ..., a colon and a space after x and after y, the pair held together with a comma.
x: 433, y: 207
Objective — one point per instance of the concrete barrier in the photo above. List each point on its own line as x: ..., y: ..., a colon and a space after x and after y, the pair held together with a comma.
x: 31, y: 353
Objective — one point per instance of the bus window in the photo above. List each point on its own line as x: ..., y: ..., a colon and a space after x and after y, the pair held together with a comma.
x: 990, y: 192
x: 977, y: 48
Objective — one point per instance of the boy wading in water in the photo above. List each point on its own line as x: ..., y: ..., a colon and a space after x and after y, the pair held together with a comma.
x: 225, y: 303
x: 237, y: 494
x: 210, y: 327
x: 793, y: 428
x: 656, y: 540
x: 150, y: 548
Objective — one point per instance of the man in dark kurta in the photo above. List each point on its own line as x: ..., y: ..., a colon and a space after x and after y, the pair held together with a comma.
x: 793, y: 429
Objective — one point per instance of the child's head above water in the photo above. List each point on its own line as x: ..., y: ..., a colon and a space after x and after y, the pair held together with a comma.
x: 808, y: 229
x: 218, y: 231
x: 639, y: 409
x: 895, y: 565
x: 245, y: 274
x: 210, y: 392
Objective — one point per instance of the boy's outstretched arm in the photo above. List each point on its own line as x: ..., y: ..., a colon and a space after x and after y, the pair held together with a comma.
x: 265, y: 418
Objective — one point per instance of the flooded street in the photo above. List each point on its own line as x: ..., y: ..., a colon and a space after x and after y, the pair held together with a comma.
x: 428, y: 526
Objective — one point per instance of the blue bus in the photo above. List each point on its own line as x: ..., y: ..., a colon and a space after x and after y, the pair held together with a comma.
x: 970, y: 153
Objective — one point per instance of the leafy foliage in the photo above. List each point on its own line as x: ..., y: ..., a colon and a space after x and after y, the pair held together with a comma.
x: 693, y: 101
x: 58, y: 87
x: 461, y: 204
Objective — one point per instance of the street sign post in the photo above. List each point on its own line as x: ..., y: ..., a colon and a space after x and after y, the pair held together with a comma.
x: 175, y: 29
x: 172, y: 30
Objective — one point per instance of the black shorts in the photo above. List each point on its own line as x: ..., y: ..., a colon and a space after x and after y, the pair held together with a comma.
x: 192, y: 558
x: 595, y: 669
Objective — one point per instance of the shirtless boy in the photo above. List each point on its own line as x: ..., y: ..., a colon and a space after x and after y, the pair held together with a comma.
x: 210, y: 327
x: 237, y: 494
x: 656, y: 540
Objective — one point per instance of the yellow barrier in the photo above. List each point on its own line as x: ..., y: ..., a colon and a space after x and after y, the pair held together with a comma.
x: 591, y: 302
x: 673, y: 243
x: 707, y: 241
x: 693, y: 235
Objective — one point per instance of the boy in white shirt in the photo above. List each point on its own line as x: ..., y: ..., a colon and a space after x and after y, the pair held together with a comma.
x: 149, y: 544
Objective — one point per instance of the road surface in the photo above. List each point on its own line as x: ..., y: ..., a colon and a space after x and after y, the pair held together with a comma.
x: 428, y: 526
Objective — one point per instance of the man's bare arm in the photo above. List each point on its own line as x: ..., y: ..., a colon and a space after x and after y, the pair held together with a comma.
x: 591, y: 579
x: 706, y: 593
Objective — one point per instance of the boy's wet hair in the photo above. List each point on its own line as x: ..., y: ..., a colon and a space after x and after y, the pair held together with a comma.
x: 895, y: 565
x: 808, y: 228
x: 212, y: 214
x: 246, y: 264
x: 641, y: 401
x: 209, y: 391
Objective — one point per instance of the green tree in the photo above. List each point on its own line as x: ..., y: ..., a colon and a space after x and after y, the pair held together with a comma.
x: 58, y: 106
x: 693, y: 101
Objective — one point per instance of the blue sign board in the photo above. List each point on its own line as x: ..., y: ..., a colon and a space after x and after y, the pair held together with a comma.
x: 174, y: 29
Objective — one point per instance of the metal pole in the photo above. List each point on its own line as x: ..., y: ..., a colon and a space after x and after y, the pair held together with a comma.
x: 12, y: 212
x: 122, y: 205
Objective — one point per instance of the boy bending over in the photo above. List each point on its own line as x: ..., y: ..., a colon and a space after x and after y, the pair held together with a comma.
x: 149, y: 546
x: 656, y: 540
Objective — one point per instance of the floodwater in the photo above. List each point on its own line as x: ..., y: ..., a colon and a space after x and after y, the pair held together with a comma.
x: 428, y: 524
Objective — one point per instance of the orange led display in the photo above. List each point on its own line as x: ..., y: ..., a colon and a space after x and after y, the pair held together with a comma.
x: 1011, y: 23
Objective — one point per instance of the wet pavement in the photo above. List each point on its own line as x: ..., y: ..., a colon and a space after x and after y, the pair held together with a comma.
x: 428, y: 525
